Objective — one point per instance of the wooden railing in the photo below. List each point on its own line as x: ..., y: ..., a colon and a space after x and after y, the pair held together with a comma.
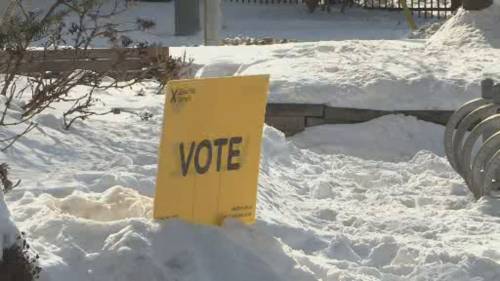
x: 294, y: 118
x: 120, y: 63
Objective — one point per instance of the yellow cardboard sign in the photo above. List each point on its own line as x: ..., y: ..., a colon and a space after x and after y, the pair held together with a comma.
x: 210, y: 149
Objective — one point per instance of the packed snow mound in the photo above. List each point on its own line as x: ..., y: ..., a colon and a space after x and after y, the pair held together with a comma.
x: 375, y: 220
x: 398, y: 138
x: 8, y: 231
x: 87, y: 211
x: 470, y: 29
x: 86, y: 194
x: 319, y: 217
x: 372, y: 74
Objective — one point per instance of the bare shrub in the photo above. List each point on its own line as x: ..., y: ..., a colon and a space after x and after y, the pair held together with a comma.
x: 7, y: 184
x: 73, y: 26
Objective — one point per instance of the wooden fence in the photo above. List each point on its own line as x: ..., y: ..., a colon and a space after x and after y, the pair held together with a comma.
x: 421, y: 8
x: 294, y: 118
x: 120, y: 63
x: 268, y: 1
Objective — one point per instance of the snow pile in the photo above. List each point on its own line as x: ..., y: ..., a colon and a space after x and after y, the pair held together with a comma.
x: 8, y: 231
x: 352, y: 219
x: 374, y: 74
x: 83, y: 221
x: 87, y: 211
x: 388, y: 75
x: 426, y: 31
x: 470, y: 29
x: 389, y: 207
x: 111, y: 236
x: 397, y: 138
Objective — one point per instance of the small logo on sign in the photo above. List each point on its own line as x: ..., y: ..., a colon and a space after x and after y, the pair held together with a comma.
x: 182, y: 95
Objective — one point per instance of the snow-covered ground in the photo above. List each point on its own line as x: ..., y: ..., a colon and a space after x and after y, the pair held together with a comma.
x: 288, y: 21
x: 372, y: 201
x: 86, y: 205
x: 399, y: 138
x: 363, y: 74
x: 442, y: 72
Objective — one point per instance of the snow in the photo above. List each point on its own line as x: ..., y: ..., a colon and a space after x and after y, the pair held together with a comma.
x: 290, y: 21
x: 371, y: 74
x: 469, y: 29
x: 358, y: 215
x: 371, y: 201
x: 110, y: 236
x: 375, y: 74
x: 397, y: 137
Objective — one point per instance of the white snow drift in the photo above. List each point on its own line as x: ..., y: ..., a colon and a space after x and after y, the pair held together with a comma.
x: 440, y: 73
x: 320, y: 216
x: 389, y: 138
x: 332, y: 204
x: 469, y: 29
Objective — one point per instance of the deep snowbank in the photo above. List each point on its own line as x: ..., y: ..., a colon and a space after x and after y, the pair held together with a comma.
x: 351, y: 219
x: 111, y: 236
x: 85, y: 199
x: 375, y: 74
x: 470, y: 29
x: 389, y: 138
x: 87, y: 211
x: 361, y: 74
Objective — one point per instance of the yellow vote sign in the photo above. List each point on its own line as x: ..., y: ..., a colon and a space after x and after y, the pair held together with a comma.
x: 210, y: 149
